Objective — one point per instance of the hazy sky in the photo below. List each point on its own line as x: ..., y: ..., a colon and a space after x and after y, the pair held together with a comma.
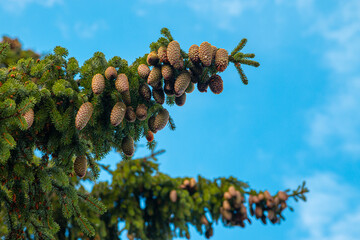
x: 298, y: 119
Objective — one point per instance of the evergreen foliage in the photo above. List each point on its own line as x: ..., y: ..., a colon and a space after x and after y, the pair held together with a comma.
x: 44, y: 109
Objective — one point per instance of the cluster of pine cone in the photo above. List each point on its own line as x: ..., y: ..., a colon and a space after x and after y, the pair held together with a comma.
x: 166, y: 76
x: 168, y: 64
x: 188, y: 184
x: 233, y: 209
x: 265, y: 202
x: 123, y: 109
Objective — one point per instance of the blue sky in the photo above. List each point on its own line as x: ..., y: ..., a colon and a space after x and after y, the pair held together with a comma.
x: 298, y: 119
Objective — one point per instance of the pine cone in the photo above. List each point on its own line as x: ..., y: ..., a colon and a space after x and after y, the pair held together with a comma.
x: 162, y: 53
x: 154, y: 77
x: 174, y: 55
x: 29, y: 117
x: 80, y: 166
x: 141, y: 112
x: 173, y: 196
x: 117, y: 113
x: 216, y: 84
x: 130, y: 115
x: 127, y: 146
x: 167, y: 72
x: 158, y: 86
x: 110, y: 73
x: 125, y: 96
x: 221, y: 60
x: 161, y: 119
x: 83, y: 115
x: 205, y: 53
x: 145, y: 92
x: 149, y: 136
x: 143, y: 71
x: 180, y: 101
x: 122, y: 83
x: 202, y: 86
x: 214, y: 50
x: 194, y: 77
x: 158, y: 95
x: 152, y: 59
x: 151, y: 124
x: 181, y: 83
x: 190, y: 88
x: 98, y: 84
x: 169, y: 88
x: 194, y: 54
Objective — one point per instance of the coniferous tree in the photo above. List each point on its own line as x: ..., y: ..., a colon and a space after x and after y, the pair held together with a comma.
x: 74, y: 123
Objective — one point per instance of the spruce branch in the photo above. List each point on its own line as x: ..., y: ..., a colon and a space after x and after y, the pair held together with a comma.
x: 239, y: 47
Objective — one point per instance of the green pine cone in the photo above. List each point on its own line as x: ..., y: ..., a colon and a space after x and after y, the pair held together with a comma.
x: 127, y: 146
x: 80, y: 166
x: 98, y: 84
x: 83, y: 115
x: 117, y: 113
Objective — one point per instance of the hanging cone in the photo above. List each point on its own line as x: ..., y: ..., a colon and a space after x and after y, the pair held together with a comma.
x: 127, y: 146
x: 83, y: 115
x: 130, y: 115
x: 122, y: 83
x: 152, y: 59
x: 194, y: 54
x: 205, y: 53
x: 221, y: 60
x: 167, y: 72
x: 181, y: 83
x: 180, y: 101
x: 145, y: 92
x: 110, y: 73
x: 143, y: 71
x: 80, y: 166
x: 154, y: 77
x: 98, y: 84
x: 216, y: 84
x: 117, y: 113
x: 162, y: 53
x: 174, y: 55
x: 141, y: 112
x: 29, y: 117
x: 161, y: 119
